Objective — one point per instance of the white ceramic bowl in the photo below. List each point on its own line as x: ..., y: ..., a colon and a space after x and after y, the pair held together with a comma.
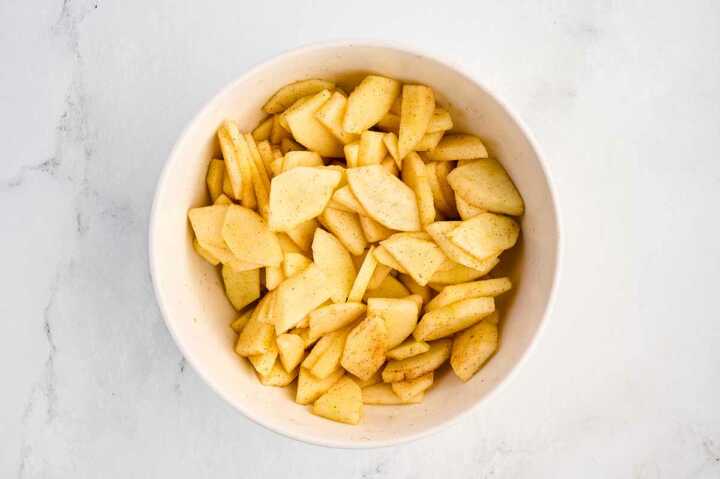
x: 190, y: 293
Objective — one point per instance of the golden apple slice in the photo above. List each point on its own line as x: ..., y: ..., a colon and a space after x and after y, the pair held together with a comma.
x: 458, y: 146
x: 342, y: 402
x: 485, y: 235
x: 331, y: 115
x: 455, y: 317
x: 387, y: 200
x: 299, y: 195
x: 289, y: 94
x: 309, y: 132
x: 249, y: 238
x: 485, y: 184
x: 414, y: 174
x: 472, y: 348
x: 476, y: 289
x: 299, y: 295
x: 418, y: 105
x: 369, y: 102
x: 419, y: 365
x: 335, y: 261
x: 420, y: 258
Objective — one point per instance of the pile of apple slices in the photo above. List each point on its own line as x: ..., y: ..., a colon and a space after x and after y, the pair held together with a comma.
x: 356, y: 234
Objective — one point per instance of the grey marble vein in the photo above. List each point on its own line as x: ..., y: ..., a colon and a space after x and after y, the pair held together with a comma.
x: 48, y: 166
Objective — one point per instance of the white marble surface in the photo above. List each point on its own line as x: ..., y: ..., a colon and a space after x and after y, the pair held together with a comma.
x: 625, y: 102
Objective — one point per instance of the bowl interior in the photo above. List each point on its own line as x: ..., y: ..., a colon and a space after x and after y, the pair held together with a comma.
x: 190, y: 291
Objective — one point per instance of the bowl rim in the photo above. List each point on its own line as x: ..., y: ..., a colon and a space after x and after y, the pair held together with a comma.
x: 450, y: 63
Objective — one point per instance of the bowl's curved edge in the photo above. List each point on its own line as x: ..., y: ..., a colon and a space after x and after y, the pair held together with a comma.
x: 556, y: 273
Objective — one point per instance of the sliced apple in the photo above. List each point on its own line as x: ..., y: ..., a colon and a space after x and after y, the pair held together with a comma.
x: 289, y: 94
x: 419, y: 365
x: 331, y: 115
x: 424, y: 292
x: 384, y: 257
x: 347, y: 200
x: 409, y: 348
x: 372, y: 148
x: 278, y: 376
x: 291, y: 348
x: 389, y: 287
x: 458, y: 147
x: 295, y: 263
x: 346, y: 228
x: 429, y: 141
x: 440, y: 121
x: 476, y: 289
x: 310, y: 388
x: 207, y: 223
x: 309, y: 132
x: 418, y: 105
x: 299, y: 195
x: 406, y: 390
x: 485, y: 184
x: 341, y: 403
x: 335, y: 261
x: 256, y: 337
x: 391, y: 143
x: 214, y: 178
x: 278, y: 131
x: 387, y: 200
x: 369, y: 102
x: 458, y: 273
x: 373, y: 230
x: 485, y: 235
x: 365, y: 347
x: 293, y: 159
x: 332, y: 317
x: 420, y: 258
x: 379, y: 275
x: 439, y: 232
x: 351, y: 151
x: 238, y: 175
x: 465, y: 209
x: 452, y: 318
x: 472, y: 348
x: 383, y: 395
x: 263, y: 130
x: 249, y: 238
x: 414, y: 174
x: 299, y: 295
x: 400, y: 316
x: 241, y: 287
x: 363, y: 277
